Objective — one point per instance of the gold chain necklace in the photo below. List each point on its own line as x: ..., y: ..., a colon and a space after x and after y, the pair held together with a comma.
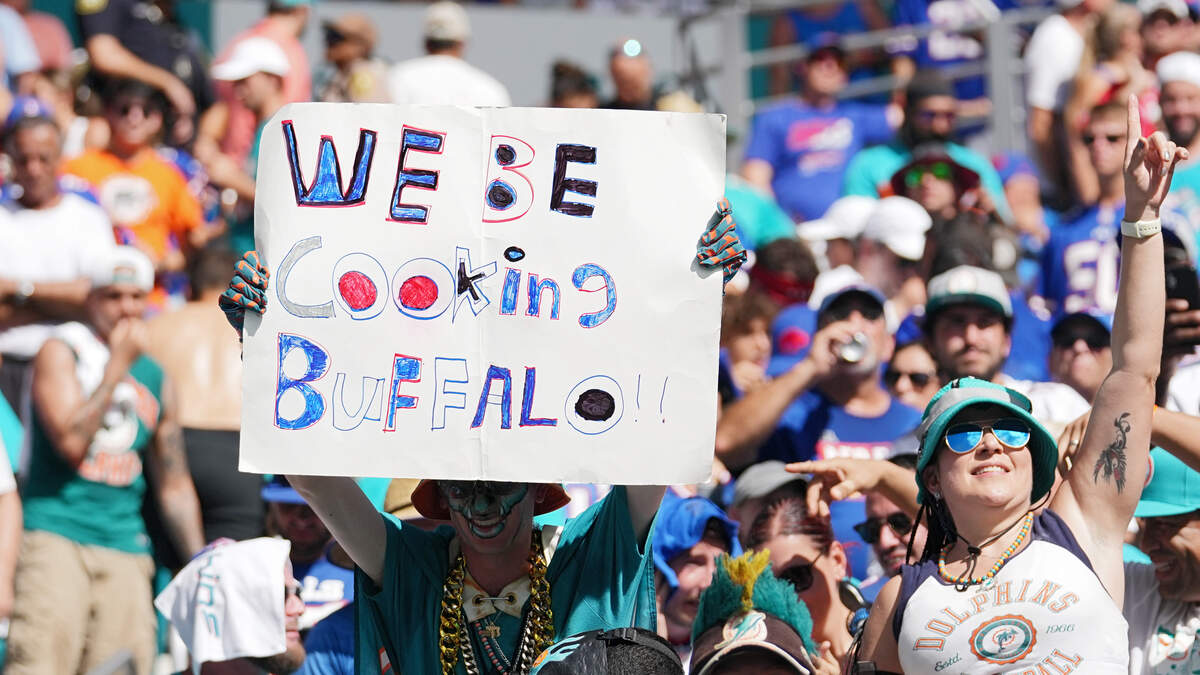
x: 537, y: 630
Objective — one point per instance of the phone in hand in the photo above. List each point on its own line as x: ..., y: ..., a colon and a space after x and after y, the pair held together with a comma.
x: 1183, y: 283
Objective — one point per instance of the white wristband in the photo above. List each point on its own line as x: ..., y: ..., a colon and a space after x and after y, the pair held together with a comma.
x: 1142, y: 228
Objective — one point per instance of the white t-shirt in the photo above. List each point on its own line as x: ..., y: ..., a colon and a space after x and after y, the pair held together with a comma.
x: 1055, y: 404
x: 1162, y: 632
x: 444, y: 80
x: 43, y: 245
x: 1183, y: 394
x: 1051, y: 60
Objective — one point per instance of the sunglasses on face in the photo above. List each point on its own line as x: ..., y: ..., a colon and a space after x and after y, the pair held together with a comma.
x: 1094, y: 339
x: 919, y: 380
x: 123, y: 109
x: 333, y: 37
x: 931, y: 115
x: 966, y: 436
x: 840, y: 311
x: 1113, y: 139
x: 870, y: 528
x: 799, y: 576
x: 914, y: 176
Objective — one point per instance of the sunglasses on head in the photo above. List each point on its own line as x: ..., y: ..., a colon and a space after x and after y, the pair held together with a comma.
x: 1113, y: 139
x: 799, y: 576
x: 940, y: 170
x: 919, y: 380
x: 964, y: 437
x: 870, y: 528
x: 1095, y: 339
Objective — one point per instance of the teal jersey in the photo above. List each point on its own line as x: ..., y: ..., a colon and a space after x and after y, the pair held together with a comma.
x: 870, y: 172
x: 100, y: 502
x: 600, y: 577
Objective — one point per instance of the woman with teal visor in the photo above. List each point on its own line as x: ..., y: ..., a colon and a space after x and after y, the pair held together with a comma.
x: 1017, y: 577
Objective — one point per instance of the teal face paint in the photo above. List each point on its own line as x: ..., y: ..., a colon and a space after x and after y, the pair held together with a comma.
x: 485, y: 505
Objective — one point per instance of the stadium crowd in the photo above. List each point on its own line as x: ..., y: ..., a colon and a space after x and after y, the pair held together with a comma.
x: 942, y: 371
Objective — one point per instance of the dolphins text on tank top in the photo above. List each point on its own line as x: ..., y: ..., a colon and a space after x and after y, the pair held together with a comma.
x: 1045, y: 612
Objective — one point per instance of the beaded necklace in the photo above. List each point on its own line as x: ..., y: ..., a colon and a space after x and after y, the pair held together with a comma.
x: 537, y: 629
x: 965, y: 580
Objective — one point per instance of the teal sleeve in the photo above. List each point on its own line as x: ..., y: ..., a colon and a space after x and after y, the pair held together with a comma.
x: 601, y: 575
x: 404, y: 607
x: 12, y: 434
x: 858, y: 179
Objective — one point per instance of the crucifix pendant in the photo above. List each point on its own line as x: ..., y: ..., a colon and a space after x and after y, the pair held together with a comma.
x: 492, y: 631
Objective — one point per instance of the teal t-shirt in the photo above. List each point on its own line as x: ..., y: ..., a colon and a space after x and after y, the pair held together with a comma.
x: 100, y: 503
x: 759, y: 219
x: 874, y: 167
x: 11, y: 434
x: 600, y: 577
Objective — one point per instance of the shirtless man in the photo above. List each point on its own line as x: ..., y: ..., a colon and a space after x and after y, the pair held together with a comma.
x: 196, y: 349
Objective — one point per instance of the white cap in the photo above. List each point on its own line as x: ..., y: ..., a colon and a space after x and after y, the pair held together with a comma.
x: 900, y: 224
x: 832, y: 281
x: 1179, y: 67
x: 1178, y: 8
x: 250, y: 56
x: 123, y: 265
x: 447, y: 20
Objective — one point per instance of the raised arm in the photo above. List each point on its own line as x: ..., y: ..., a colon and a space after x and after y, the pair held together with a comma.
x: 1110, y: 467
x: 643, y: 505
x: 350, y: 517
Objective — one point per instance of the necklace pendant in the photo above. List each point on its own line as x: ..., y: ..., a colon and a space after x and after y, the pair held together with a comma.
x: 988, y: 584
x: 492, y: 631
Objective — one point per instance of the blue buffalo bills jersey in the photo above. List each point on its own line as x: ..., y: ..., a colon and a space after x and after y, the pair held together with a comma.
x: 1080, y: 263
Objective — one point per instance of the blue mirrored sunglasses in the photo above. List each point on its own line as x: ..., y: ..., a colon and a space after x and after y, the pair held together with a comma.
x: 966, y: 436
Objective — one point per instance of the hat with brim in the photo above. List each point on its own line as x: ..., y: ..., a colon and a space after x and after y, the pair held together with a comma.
x: 751, y: 631
x: 425, y: 499
x: 969, y: 391
x: 1172, y: 488
x: 963, y: 178
x: 280, y: 491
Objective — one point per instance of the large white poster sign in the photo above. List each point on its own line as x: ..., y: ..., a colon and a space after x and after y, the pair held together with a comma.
x: 478, y: 293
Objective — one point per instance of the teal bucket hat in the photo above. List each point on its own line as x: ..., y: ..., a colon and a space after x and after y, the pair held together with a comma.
x: 968, y: 391
x: 1172, y: 488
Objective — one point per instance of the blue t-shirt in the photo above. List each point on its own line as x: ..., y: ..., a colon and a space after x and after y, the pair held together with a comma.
x: 815, y: 427
x: 1080, y: 263
x: 809, y: 149
x: 330, y: 646
x: 601, y: 577
x: 325, y: 587
x: 870, y: 172
x: 1029, y: 358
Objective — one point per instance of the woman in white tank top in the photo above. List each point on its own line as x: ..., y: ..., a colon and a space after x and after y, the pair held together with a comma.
x: 1000, y: 589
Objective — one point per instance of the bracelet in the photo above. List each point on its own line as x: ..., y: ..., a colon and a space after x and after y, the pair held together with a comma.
x: 1142, y: 228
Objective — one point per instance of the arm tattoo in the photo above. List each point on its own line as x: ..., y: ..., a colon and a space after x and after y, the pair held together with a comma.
x: 1112, y: 458
x: 171, y: 453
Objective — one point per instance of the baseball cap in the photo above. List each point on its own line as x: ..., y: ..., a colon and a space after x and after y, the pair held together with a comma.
x: 760, y: 480
x: 680, y: 525
x: 448, y: 21
x: 1183, y: 66
x: 856, y: 288
x: 968, y: 391
x: 909, y: 330
x: 966, y: 284
x: 1178, y: 8
x: 1172, y: 487
x: 122, y: 265
x: 1066, y: 320
x: 425, y: 500
x: 791, y: 336
x: 900, y: 224
x: 278, y: 490
x: 844, y: 219
x: 588, y: 652
x: 824, y: 42
x: 252, y: 55
x: 25, y: 107
x: 355, y: 25
x: 747, y: 608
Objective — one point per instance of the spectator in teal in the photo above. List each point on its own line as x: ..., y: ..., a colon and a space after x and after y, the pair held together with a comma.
x: 929, y: 116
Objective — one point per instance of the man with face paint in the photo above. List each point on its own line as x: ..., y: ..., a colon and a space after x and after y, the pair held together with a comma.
x: 490, y: 590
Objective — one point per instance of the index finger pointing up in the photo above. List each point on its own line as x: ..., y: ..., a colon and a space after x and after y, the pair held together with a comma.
x: 1133, y: 131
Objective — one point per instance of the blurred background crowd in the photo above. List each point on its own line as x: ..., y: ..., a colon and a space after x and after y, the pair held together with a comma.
x: 931, y: 187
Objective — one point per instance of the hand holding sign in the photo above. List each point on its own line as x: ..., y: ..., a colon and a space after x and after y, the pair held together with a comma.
x: 514, y: 298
